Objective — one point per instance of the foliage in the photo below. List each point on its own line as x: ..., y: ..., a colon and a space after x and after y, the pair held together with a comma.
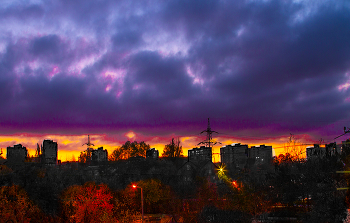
x: 129, y: 149
x: 16, y: 206
x: 87, y: 203
x: 156, y: 195
x: 173, y: 149
x: 295, y: 148
x: 85, y: 156
x: 5, y: 170
x: 282, y: 158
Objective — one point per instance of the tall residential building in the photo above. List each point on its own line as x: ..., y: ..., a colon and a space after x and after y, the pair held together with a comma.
x: 99, y: 155
x: 200, y: 154
x: 262, y: 154
x: 152, y: 153
x: 17, y: 153
x: 49, y: 153
x: 234, y: 154
x: 331, y: 149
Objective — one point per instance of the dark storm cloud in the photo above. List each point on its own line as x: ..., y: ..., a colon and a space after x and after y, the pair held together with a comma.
x: 167, y: 66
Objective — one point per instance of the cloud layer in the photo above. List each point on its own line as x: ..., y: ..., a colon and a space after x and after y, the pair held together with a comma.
x: 257, y: 68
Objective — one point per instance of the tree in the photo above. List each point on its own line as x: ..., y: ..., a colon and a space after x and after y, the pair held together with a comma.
x: 117, y: 154
x: 294, y: 148
x: 173, y: 149
x: 85, y: 156
x: 87, y: 203
x: 130, y: 149
x: 16, y: 206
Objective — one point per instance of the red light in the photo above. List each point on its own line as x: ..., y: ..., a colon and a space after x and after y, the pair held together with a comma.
x: 134, y: 186
x: 234, y: 183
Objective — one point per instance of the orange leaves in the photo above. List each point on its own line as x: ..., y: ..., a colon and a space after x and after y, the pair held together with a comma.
x: 16, y: 206
x: 87, y: 203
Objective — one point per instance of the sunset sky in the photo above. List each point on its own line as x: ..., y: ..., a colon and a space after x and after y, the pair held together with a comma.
x: 153, y: 70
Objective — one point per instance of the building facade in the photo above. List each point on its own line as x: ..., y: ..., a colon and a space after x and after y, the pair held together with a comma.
x: 262, y: 154
x: 99, y: 155
x: 234, y: 154
x: 316, y: 151
x: 200, y: 154
x: 152, y: 154
x: 17, y: 153
x: 49, y: 152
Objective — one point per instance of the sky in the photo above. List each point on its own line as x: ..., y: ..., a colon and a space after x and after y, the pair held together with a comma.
x: 153, y: 70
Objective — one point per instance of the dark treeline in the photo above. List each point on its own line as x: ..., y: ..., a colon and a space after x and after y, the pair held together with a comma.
x: 305, y: 191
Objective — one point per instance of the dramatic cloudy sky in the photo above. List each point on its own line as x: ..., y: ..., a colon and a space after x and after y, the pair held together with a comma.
x: 152, y: 70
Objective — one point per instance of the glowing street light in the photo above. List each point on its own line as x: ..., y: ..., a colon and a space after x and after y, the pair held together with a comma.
x: 135, y: 186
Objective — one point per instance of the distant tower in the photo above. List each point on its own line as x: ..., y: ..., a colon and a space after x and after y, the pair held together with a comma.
x: 209, y: 140
x: 49, y: 152
x: 89, y: 144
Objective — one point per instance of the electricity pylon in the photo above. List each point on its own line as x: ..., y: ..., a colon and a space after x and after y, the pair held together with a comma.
x: 209, y: 140
x: 89, y: 144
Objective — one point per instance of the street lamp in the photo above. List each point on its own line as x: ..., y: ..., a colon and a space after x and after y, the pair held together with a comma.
x: 135, y: 186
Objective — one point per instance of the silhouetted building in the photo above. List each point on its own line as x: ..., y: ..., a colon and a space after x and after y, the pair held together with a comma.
x: 234, y: 154
x: 200, y: 154
x: 17, y: 153
x: 345, y: 147
x: 316, y: 151
x: 188, y: 172
x: 332, y: 149
x: 49, y: 153
x: 262, y: 154
x: 99, y: 155
x: 152, y: 153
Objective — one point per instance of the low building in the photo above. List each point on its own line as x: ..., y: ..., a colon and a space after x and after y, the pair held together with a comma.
x: 152, y: 154
x: 17, y: 153
x: 99, y: 155
x: 49, y: 152
x: 234, y: 154
x: 200, y: 154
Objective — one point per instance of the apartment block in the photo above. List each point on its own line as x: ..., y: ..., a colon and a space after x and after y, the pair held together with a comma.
x: 200, y: 154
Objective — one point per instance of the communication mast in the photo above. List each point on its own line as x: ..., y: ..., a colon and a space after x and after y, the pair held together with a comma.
x: 209, y: 140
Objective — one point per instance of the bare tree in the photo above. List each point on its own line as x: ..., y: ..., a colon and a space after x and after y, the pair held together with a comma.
x: 173, y: 149
x: 294, y: 148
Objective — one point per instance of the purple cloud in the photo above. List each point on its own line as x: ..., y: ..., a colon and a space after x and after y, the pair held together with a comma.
x: 164, y: 68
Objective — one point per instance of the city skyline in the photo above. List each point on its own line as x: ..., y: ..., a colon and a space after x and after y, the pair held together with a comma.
x: 153, y: 71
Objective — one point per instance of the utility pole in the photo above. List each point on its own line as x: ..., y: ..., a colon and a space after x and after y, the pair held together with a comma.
x: 345, y: 131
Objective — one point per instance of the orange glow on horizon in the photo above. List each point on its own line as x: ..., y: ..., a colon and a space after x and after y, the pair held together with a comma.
x: 70, y: 146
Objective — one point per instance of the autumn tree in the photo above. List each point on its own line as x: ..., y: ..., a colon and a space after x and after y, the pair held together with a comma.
x: 87, y: 203
x: 294, y: 148
x: 157, y: 197
x: 85, y: 156
x: 16, y: 206
x: 173, y: 149
x: 130, y: 149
